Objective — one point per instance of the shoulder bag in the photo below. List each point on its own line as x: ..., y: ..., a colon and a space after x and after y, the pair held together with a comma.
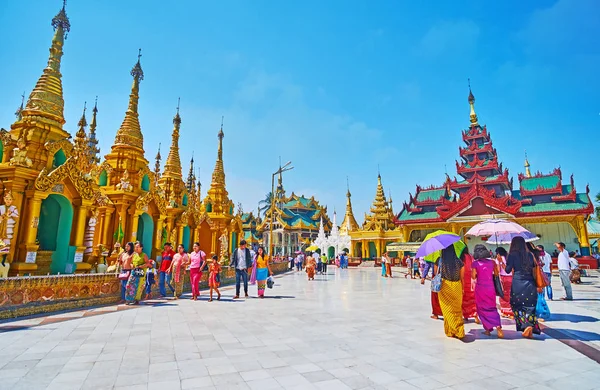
x: 436, y: 282
x: 497, y: 282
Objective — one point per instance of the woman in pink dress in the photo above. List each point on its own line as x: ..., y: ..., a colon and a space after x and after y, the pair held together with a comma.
x: 483, y: 270
x: 197, y: 263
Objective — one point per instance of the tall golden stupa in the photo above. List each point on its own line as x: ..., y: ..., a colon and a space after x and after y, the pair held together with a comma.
x: 64, y: 208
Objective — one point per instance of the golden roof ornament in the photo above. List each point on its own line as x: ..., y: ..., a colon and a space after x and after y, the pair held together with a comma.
x: 19, y: 155
x: 46, y: 99
x: 157, y: 164
x: 92, y: 140
x: 218, y: 176
x: 527, y: 167
x: 130, y: 133
x: 19, y: 112
x: 471, y: 99
x: 349, y: 223
x: 173, y: 163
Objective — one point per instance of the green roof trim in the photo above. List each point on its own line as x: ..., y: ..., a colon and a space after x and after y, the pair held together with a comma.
x: 593, y: 227
x: 426, y: 195
x: 582, y: 202
x: 407, y: 216
x: 545, y: 182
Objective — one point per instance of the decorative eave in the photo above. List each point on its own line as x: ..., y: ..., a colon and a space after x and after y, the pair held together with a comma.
x: 502, y: 179
x: 474, y: 133
x: 473, y: 149
x: 506, y: 204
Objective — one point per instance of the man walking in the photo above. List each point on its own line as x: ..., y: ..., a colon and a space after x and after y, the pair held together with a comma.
x: 564, y: 268
x: 242, y: 262
x: 547, y: 269
x: 165, y: 270
x: 324, y: 262
x: 317, y: 256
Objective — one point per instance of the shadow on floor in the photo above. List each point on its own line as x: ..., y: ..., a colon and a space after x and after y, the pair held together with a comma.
x: 575, y: 318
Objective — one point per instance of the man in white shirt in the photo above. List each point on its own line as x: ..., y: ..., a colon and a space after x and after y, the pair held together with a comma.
x: 547, y: 268
x: 564, y: 268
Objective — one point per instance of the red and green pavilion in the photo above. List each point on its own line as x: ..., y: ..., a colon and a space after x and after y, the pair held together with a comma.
x: 545, y: 204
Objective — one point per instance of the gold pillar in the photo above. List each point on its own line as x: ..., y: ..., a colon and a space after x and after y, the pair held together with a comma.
x: 105, y: 239
x: 213, y: 248
x: 134, y: 226
x: 78, y: 236
x: 158, y: 235
x: 34, y: 206
x: 180, y: 234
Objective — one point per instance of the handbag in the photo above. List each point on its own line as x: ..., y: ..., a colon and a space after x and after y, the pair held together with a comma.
x: 498, y: 286
x: 124, y: 275
x: 539, y: 277
x: 138, y: 272
x: 218, y: 277
x: 436, y: 282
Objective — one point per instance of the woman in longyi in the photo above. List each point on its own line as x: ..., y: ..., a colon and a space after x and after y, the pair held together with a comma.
x: 451, y: 293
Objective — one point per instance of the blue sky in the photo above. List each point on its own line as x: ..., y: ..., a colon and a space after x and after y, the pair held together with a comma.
x: 337, y: 87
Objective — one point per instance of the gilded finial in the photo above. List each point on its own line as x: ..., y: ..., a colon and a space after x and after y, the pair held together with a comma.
x: 157, y: 163
x: 19, y: 111
x: 129, y: 134
x: 471, y: 99
x: 83, y: 122
x: 527, y: 166
x: 92, y: 140
x: 191, y: 178
x: 173, y: 164
x: 348, y: 187
x: 61, y: 20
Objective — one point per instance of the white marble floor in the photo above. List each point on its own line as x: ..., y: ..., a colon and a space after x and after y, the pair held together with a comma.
x: 350, y: 329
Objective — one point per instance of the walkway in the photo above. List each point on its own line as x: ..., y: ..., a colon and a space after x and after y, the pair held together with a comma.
x: 348, y: 330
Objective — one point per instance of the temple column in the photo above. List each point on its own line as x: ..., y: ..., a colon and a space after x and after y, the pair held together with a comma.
x: 180, y: 234
x: 454, y: 228
x: 134, y: 226
x: 158, y: 236
x: 82, y: 209
x: 28, y: 250
x: 582, y: 233
x: 213, y: 243
x: 105, y: 239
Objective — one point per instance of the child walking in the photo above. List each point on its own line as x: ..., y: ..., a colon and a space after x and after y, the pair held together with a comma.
x: 150, y: 279
x: 416, y: 265
x: 214, y: 277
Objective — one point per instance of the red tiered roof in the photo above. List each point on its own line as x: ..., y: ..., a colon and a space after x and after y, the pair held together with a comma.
x: 506, y: 204
x: 473, y: 148
x: 475, y: 132
x: 478, y: 165
x: 502, y: 179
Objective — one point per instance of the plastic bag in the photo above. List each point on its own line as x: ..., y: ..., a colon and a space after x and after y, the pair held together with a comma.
x: 270, y: 282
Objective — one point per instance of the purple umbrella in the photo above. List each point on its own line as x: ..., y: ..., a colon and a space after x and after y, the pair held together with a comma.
x: 436, y: 241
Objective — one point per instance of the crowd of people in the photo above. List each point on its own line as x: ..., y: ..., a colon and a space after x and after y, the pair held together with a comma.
x: 314, y: 263
x: 518, y: 282
x: 139, y: 274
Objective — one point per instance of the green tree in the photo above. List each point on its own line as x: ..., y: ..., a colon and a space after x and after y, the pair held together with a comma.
x: 598, y: 207
x: 265, y: 204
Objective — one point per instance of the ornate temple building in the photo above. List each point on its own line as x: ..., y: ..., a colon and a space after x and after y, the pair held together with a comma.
x: 545, y: 204
x: 377, y: 230
x: 295, y: 222
x: 250, y: 225
x: 64, y: 208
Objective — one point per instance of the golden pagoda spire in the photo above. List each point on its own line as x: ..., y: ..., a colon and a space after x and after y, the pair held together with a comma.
x: 19, y: 112
x: 46, y: 99
x: 157, y: 163
x: 191, y: 178
x: 81, y: 148
x: 381, y: 216
x: 473, y: 116
x: 80, y: 135
x: 92, y: 140
x: 349, y: 222
x: 173, y: 163
x: 130, y: 133
x: 527, y: 166
x: 218, y: 176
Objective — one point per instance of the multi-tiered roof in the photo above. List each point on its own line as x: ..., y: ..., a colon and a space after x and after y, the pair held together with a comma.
x: 485, y: 187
